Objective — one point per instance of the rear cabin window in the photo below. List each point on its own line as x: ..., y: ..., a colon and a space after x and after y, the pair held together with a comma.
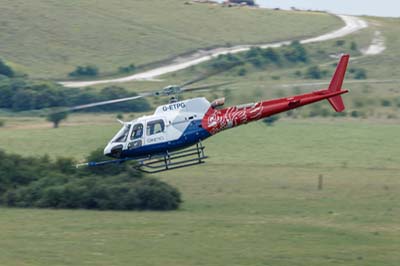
x: 137, y: 131
x: 155, y: 127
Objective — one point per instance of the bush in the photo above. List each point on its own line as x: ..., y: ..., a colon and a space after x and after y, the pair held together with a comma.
x: 295, y: 52
x: 88, y: 71
x: 340, y: 42
x: 314, y: 72
x: 353, y: 46
x: 56, y: 118
x: 269, y: 121
x: 39, y: 182
x: 2, y: 123
x: 271, y: 55
x: 386, y: 103
x: 6, y: 70
x: 127, y: 69
x: 242, y: 72
x: 360, y: 74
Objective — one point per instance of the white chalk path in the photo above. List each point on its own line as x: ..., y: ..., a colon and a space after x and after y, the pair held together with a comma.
x: 352, y: 24
x: 377, y: 45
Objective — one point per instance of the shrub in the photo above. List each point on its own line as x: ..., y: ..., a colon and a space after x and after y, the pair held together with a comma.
x: 56, y: 118
x: 242, y: 72
x: 89, y: 71
x: 269, y: 121
x: 271, y: 55
x: 353, y: 46
x: 360, y: 74
x: 340, y: 42
x: 39, y: 182
x: 314, y: 72
x: 2, y: 123
x: 295, y: 52
x: 127, y: 69
x: 6, y: 70
x: 386, y: 103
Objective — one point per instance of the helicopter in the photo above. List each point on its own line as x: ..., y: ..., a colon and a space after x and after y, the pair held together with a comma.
x: 172, y: 137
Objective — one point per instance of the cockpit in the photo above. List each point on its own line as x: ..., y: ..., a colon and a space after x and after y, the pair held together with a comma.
x: 135, y: 134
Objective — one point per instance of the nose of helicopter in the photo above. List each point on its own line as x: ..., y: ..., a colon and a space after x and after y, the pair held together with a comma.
x: 107, y: 150
x: 112, y: 150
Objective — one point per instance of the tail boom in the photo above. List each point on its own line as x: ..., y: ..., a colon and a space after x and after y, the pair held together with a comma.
x: 216, y: 120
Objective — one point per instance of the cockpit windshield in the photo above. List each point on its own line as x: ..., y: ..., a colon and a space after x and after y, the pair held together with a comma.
x: 122, y: 135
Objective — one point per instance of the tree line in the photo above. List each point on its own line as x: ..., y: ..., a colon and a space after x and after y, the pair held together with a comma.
x: 22, y: 94
x: 293, y: 54
x: 40, y: 182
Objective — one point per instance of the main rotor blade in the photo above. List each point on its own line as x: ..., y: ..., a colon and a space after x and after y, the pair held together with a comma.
x: 84, y: 106
x: 207, y: 86
x: 209, y: 74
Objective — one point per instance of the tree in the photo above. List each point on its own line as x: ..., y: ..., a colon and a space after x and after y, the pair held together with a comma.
x: 56, y: 118
x: 271, y: 55
x: 6, y: 70
x: 360, y: 73
x: 314, y: 72
x: 270, y: 120
x: 353, y: 46
x: 89, y: 70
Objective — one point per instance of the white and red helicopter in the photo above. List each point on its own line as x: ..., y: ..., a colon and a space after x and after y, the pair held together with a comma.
x: 172, y: 137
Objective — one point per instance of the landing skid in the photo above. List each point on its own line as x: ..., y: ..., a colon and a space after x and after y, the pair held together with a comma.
x: 172, y: 160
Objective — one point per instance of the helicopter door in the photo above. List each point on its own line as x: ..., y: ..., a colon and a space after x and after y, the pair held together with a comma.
x: 136, y: 138
x: 155, y: 131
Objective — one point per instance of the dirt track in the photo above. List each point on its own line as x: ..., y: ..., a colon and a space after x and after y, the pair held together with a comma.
x: 352, y: 24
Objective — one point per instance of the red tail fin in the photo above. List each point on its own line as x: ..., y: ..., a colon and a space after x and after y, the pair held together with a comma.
x: 336, y: 83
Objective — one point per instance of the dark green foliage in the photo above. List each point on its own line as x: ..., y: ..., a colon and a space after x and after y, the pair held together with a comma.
x: 224, y: 62
x: 314, y: 72
x: 269, y: 121
x: 248, y: 2
x: 271, y: 55
x: 242, y: 72
x: 355, y: 114
x: 2, y: 123
x: 340, y: 42
x: 386, y: 103
x: 295, y: 52
x: 259, y: 58
x: 56, y: 118
x: 23, y: 94
x: 5, y: 70
x: 42, y: 183
x: 360, y: 73
x: 127, y: 69
x: 353, y: 46
x: 84, y: 71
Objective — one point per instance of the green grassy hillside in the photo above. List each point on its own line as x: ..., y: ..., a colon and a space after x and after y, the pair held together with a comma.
x: 48, y: 39
x: 255, y: 202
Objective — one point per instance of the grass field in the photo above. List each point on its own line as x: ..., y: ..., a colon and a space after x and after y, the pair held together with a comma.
x: 48, y: 39
x: 255, y: 202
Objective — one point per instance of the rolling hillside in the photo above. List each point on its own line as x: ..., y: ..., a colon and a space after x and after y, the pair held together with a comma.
x: 48, y: 39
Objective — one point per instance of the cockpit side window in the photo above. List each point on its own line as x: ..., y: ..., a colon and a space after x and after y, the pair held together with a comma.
x: 123, y: 134
x: 137, y: 131
x: 154, y: 127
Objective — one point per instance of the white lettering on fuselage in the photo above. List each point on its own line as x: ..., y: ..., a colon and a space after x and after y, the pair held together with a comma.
x: 154, y: 139
x: 173, y: 106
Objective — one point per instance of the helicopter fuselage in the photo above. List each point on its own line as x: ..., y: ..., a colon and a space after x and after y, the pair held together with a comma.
x: 182, y: 124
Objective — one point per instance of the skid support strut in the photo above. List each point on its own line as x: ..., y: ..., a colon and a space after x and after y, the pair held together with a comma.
x: 173, y: 160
